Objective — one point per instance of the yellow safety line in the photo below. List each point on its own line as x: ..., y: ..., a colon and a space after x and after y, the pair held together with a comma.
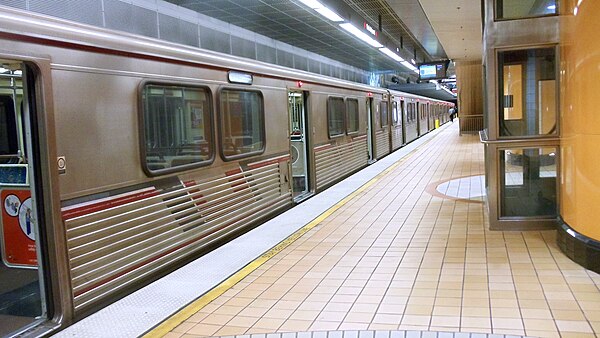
x: 191, y: 309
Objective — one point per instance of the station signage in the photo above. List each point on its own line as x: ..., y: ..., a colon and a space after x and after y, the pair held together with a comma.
x: 371, y: 29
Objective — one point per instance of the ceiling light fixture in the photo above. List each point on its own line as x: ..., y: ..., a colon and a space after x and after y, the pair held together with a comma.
x: 391, y: 54
x: 361, y: 35
x: 329, y: 14
x: 321, y: 9
x: 410, y: 66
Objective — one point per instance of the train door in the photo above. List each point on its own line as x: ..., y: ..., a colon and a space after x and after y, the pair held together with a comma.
x: 299, y: 145
x: 370, y: 130
x: 21, y: 292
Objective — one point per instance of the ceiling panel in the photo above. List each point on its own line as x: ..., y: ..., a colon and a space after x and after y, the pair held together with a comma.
x: 458, y: 27
x: 291, y: 22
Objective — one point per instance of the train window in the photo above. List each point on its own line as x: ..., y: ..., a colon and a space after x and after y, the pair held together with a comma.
x: 384, y: 113
x: 177, y: 128
x: 242, y: 123
x: 8, y: 130
x: 352, y: 117
x: 395, y: 113
x: 335, y: 116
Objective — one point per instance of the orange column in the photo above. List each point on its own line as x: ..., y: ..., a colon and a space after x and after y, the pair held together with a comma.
x: 580, y: 116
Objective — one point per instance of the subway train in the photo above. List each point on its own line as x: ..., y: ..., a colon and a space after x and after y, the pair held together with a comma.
x: 123, y: 156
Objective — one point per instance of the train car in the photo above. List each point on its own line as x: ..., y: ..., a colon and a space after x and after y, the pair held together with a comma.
x: 123, y: 156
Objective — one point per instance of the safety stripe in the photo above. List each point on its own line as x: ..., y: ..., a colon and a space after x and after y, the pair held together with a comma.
x: 171, y: 323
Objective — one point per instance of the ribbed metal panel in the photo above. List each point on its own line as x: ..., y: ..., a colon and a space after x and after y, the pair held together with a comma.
x: 325, y: 69
x: 176, y: 30
x: 21, y: 4
x: 382, y: 144
x: 242, y: 47
x: 266, y: 53
x: 285, y: 59
x: 300, y: 62
x: 84, y: 11
x: 314, y: 66
x: 113, y: 248
x: 214, y: 40
x: 396, y: 137
x: 129, y: 18
x: 354, y: 155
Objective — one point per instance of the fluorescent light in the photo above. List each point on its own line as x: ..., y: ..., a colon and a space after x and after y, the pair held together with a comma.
x: 391, y: 54
x: 361, y: 35
x: 413, y: 61
x: 329, y: 14
x: 409, y: 66
x: 324, y: 11
x: 312, y: 3
x: 551, y: 7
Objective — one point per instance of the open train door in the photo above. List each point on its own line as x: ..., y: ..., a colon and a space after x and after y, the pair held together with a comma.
x: 22, y: 303
x: 370, y: 130
x: 301, y: 186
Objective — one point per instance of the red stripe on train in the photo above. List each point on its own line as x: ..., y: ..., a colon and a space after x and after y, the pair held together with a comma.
x: 265, y: 163
x: 69, y: 213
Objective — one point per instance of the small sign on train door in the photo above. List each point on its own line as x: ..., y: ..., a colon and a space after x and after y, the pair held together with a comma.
x: 18, y: 222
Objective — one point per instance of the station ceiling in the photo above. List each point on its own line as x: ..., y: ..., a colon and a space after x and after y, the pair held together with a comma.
x: 424, y: 30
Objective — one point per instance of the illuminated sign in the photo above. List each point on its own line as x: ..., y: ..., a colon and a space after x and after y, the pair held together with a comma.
x: 370, y: 29
x: 239, y: 77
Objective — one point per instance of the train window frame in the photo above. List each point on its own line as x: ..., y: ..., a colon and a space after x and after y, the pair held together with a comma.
x: 352, y: 132
x: 263, y: 135
x: 210, y: 127
x: 383, y: 123
x: 343, y: 129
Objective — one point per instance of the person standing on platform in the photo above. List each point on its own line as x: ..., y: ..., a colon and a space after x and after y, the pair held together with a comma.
x: 451, y: 114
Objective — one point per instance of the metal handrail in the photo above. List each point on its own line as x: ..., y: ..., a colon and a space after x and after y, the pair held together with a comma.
x: 483, y: 138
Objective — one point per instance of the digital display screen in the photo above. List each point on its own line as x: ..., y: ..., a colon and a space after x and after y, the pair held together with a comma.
x: 13, y: 174
x: 432, y: 71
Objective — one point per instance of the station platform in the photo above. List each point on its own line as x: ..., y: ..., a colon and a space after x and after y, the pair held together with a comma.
x: 401, y: 249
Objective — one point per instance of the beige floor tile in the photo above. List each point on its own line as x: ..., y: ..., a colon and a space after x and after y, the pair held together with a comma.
x: 271, y: 324
x: 183, y: 327
x: 476, y: 322
x: 231, y: 331
x: 353, y: 326
x: 324, y: 326
x: 391, y: 319
x: 416, y: 320
x: 539, y: 325
x: 507, y: 323
x: 403, y: 259
x: 204, y: 329
x: 446, y: 321
x: 242, y: 321
x: 217, y: 319
x: 574, y: 326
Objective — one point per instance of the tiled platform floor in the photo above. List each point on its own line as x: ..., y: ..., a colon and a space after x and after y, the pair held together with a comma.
x: 398, y: 258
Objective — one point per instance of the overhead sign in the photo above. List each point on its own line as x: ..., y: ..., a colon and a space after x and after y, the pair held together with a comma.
x: 371, y: 29
x: 18, y: 233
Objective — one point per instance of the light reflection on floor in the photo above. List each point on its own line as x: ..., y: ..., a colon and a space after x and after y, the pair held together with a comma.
x: 465, y: 188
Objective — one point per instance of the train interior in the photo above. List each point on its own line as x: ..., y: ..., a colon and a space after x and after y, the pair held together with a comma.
x: 20, y: 291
